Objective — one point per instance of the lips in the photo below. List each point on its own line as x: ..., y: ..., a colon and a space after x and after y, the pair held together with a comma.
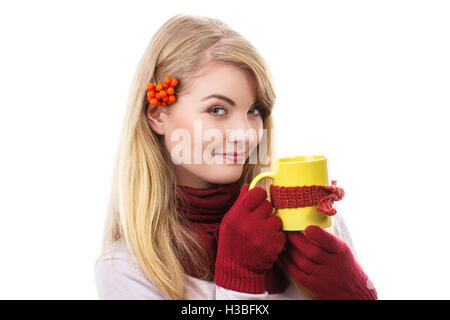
x: 233, y: 156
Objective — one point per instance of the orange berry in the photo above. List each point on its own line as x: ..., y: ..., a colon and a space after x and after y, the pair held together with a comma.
x: 154, y: 101
x: 150, y: 86
x: 159, y: 87
x: 163, y: 104
x: 158, y: 103
x: 165, y: 98
x: 174, y: 82
x: 166, y: 84
x: 170, y: 91
x: 172, y: 98
x: 167, y: 79
x: 157, y: 95
x: 163, y: 93
x: 150, y: 94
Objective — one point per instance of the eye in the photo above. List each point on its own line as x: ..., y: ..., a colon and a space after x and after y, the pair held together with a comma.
x: 216, y: 110
x: 254, y: 109
x: 257, y: 111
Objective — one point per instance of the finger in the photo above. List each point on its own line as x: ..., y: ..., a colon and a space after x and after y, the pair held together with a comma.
x: 302, y: 243
x: 274, y: 223
x: 244, y: 189
x: 264, y: 210
x: 301, y: 260
x: 275, y: 247
x: 253, y: 198
x: 280, y: 239
x: 296, y: 273
x: 323, y: 238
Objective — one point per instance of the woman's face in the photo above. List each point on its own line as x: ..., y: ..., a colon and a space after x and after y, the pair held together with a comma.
x: 217, y: 116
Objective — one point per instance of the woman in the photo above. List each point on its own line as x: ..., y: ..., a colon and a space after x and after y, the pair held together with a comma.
x: 181, y: 222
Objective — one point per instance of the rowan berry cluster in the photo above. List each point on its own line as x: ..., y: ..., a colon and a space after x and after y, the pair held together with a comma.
x: 162, y: 94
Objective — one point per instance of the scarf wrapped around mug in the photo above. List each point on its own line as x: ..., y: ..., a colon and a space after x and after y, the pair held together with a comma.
x: 203, y: 210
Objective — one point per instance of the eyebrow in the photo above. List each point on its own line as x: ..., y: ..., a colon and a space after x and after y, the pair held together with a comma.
x: 224, y: 98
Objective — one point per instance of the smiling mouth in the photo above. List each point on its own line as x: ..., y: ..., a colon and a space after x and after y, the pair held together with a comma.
x: 232, y: 156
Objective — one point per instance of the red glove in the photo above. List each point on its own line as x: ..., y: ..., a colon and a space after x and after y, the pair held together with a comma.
x: 250, y: 240
x: 325, y: 265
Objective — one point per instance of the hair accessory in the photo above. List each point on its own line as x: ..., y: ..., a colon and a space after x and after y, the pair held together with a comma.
x: 162, y: 94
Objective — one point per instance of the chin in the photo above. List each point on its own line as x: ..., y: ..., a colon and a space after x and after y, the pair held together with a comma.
x: 225, y: 174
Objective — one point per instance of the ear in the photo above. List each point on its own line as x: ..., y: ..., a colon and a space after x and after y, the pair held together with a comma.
x: 156, y: 117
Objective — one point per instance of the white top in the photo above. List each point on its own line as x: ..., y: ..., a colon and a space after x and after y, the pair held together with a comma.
x: 118, y: 276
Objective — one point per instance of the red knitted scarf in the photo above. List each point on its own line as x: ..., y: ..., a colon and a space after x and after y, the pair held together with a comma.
x: 204, y: 210
x: 306, y: 196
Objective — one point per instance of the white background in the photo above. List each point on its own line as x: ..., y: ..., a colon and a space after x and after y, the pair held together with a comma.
x: 365, y: 83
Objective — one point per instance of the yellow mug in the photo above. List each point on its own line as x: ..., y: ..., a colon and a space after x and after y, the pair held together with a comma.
x: 298, y: 171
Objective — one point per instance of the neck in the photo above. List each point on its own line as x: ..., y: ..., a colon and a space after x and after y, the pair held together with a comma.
x: 188, y: 179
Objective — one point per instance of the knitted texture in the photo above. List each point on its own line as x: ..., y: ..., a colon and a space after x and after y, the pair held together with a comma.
x: 202, y: 211
x: 307, y: 196
x: 325, y: 265
x: 250, y: 240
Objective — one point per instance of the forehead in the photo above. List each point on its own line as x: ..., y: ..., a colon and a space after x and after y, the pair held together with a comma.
x: 225, y: 79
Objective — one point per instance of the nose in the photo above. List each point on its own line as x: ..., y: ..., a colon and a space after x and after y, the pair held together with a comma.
x: 241, y: 133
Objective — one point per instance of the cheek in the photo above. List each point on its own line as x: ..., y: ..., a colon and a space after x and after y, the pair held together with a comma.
x: 181, y: 120
x: 177, y: 126
x: 186, y: 131
x: 258, y: 129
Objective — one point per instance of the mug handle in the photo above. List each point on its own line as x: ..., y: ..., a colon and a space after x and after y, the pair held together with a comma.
x: 266, y: 174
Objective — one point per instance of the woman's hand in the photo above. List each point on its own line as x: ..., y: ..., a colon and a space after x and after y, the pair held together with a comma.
x: 325, y: 265
x: 250, y: 240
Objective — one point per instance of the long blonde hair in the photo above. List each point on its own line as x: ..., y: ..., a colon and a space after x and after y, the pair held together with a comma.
x: 142, y: 207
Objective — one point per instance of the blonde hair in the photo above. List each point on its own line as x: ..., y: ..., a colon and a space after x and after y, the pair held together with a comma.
x: 142, y: 207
